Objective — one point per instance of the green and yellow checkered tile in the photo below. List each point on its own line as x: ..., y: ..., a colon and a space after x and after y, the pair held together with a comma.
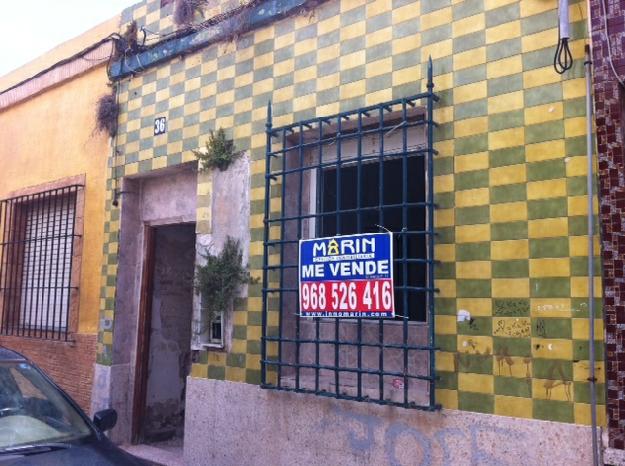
x: 509, y: 179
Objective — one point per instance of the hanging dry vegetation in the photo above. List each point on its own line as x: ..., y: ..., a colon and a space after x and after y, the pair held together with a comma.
x: 185, y: 11
x: 107, y: 112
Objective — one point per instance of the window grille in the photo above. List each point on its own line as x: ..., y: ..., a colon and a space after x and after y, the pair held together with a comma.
x: 360, y: 171
x: 215, y: 331
x: 37, y: 233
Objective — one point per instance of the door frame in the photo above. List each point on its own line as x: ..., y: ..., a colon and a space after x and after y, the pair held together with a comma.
x: 143, y: 334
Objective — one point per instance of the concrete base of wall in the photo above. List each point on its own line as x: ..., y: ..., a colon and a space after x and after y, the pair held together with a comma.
x: 614, y: 457
x: 111, y: 389
x: 230, y: 423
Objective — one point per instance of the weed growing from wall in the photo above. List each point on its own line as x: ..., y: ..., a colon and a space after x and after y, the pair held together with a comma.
x: 219, y: 152
x: 218, y: 280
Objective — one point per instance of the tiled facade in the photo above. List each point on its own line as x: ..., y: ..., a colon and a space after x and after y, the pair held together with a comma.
x: 157, y: 17
x: 609, y: 121
x: 510, y: 177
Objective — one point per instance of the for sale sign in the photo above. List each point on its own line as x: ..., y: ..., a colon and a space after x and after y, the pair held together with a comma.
x: 347, y: 276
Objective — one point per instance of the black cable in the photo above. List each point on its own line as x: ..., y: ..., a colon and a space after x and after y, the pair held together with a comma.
x: 604, y: 12
x: 80, y: 54
x: 563, y: 59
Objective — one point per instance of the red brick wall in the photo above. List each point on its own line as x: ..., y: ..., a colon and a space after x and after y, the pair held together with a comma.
x: 609, y: 121
x: 69, y: 364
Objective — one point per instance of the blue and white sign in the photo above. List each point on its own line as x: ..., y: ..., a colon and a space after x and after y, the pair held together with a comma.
x: 347, y: 276
x: 160, y: 125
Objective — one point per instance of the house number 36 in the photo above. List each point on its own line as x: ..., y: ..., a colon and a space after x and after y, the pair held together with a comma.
x: 160, y: 125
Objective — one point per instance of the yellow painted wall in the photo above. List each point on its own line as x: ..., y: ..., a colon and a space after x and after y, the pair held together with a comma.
x: 60, y: 52
x: 49, y: 137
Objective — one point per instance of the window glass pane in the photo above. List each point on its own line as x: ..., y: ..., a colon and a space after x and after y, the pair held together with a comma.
x: 393, y: 220
x: 33, y: 410
x: 46, y: 270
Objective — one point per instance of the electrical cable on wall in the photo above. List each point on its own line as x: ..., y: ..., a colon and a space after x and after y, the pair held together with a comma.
x: 609, y: 46
x: 563, y: 59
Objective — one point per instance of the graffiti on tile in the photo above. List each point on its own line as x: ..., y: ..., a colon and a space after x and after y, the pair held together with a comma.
x: 511, y: 307
x: 408, y: 445
x: 556, y: 378
x: 552, y: 307
x: 503, y: 358
x: 512, y: 327
x: 540, y: 328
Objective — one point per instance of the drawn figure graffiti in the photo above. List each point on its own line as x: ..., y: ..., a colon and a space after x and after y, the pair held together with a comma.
x: 502, y: 357
x: 527, y: 362
x: 553, y: 382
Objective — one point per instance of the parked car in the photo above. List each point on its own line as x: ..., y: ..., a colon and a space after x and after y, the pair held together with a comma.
x: 41, y: 425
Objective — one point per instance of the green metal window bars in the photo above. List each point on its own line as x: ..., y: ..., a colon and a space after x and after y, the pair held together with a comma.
x: 337, y: 175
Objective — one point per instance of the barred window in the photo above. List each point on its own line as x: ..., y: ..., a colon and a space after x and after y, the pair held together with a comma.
x: 360, y: 171
x: 38, y: 233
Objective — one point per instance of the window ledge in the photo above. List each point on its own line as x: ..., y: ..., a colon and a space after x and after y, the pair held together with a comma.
x: 212, y: 345
x: 71, y: 341
x: 411, y: 323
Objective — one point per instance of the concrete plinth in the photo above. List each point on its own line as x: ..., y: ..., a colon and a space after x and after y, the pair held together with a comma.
x: 239, y: 424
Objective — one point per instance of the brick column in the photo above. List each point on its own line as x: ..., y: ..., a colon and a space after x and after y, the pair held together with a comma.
x: 609, y: 122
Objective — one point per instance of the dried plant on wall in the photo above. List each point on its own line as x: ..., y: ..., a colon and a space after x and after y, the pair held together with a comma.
x: 127, y: 43
x: 107, y: 111
x: 186, y: 10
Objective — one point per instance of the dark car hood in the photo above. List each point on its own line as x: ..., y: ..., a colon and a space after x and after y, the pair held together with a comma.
x: 91, y: 454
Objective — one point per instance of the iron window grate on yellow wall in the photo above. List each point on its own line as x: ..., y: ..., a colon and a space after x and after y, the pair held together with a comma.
x: 36, y: 263
x: 360, y: 171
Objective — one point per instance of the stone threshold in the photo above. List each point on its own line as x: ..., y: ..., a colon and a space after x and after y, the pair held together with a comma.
x: 172, y: 456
